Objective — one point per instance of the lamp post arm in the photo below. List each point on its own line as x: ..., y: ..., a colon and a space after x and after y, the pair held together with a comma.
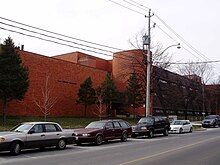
x: 178, y: 46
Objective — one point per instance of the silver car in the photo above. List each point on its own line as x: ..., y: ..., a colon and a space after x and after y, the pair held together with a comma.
x: 35, y: 135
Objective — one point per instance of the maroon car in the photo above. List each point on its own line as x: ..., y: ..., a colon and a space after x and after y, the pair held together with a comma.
x: 99, y: 131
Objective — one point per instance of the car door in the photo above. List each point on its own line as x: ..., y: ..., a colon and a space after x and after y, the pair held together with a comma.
x: 109, y: 131
x: 118, y: 129
x: 157, y: 124
x: 186, y: 126
x: 52, y: 134
x: 35, y: 137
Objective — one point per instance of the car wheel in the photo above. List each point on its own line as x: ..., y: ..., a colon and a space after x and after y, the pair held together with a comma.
x: 180, y: 131
x: 191, y: 130
x: 61, y: 144
x: 124, y: 137
x: 15, y: 148
x: 151, y: 133
x: 165, y: 132
x: 214, y: 125
x: 98, y: 140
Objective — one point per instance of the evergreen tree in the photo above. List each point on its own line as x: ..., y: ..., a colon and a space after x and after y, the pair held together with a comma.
x: 110, y: 93
x: 134, y: 95
x: 86, y: 94
x: 14, y: 80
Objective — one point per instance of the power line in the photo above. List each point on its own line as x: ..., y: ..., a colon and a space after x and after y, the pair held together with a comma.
x: 55, y: 37
x: 63, y: 44
x: 167, y: 26
x: 142, y: 7
x: 129, y: 58
x: 128, y: 8
x: 197, y: 62
x: 59, y: 34
x: 134, y: 4
x: 54, y: 41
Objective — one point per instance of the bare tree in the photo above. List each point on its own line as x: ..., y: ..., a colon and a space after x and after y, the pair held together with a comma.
x: 159, y: 58
x: 99, y: 96
x: 201, y: 73
x: 137, y: 62
x: 202, y: 70
x: 46, y: 101
x: 216, y: 82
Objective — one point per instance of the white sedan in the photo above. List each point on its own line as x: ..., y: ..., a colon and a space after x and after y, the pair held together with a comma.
x: 181, y: 126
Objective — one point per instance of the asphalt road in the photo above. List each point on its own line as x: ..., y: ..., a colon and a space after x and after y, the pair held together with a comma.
x: 197, y: 148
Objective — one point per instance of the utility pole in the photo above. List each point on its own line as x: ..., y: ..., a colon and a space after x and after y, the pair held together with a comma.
x: 146, y: 47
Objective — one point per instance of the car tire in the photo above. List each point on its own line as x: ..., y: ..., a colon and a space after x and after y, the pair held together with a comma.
x: 214, y: 125
x: 151, y: 133
x: 180, y: 131
x: 124, y: 137
x: 15, y: 148
x: 61, y: 145
x: 166, y: 132
x: 98, y: 140
x: 191, y: 130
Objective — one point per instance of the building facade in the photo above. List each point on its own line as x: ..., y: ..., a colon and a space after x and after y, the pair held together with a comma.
x: 171, y: 94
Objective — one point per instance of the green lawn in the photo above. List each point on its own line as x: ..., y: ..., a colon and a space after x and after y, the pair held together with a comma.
x: 65, y: 122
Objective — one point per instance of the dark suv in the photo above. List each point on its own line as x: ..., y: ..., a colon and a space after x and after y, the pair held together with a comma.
x: 211, y: 121
x: 99, y: 131
x: 151, y: 125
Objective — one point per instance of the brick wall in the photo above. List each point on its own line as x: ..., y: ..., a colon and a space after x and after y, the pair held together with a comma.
x: 64, y: 81
x: 87, y: 60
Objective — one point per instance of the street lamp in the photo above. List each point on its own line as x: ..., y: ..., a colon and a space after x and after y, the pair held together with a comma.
x: 178, y: 47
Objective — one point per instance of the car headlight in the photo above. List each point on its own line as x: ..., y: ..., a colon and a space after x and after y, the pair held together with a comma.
x: 2, y: 139
x: 143, y: 128
x: 86, y: 134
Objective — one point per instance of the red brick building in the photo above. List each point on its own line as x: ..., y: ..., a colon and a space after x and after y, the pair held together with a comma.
x: 65, y: 73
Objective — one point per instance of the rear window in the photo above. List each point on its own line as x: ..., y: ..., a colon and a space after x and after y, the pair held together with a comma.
x: 51, y: 128
x: 123, y: 124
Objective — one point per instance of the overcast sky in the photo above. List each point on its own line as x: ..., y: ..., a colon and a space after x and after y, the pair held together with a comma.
x: 104, y: 22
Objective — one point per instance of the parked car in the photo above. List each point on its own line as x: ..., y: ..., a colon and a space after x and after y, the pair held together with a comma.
x: 211, y: 121
x: 99, y: 131
x: 151, y: 125
x: 35, y: 135
x: 181, y: 126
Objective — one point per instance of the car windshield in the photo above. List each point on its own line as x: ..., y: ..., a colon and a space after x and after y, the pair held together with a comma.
x: 96, y: 125
x: 146, y: 120
x: 210, y: 117
x: 22, y: 128
x: 177, y: 122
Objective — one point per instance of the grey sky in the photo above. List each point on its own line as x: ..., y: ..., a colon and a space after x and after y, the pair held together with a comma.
x: 104, y: 22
